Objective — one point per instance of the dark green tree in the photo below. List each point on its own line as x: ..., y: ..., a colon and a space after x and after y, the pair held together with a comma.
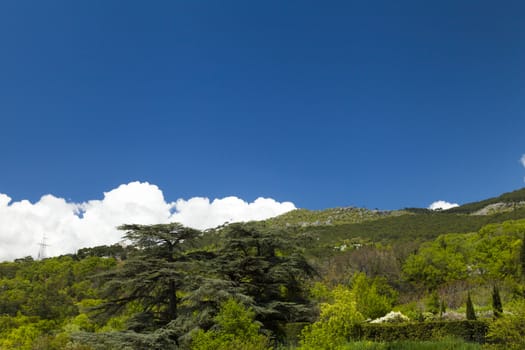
x: 267, y: 270
x: 161, y: 339
x: 497, y: 307
x: 471, y: 314
x: 158, y: 268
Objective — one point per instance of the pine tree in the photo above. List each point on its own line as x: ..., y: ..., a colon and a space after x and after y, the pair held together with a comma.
x: 471, y: 314
x: 267, y: 270
x: 497, y: 307
x: 152, y: 275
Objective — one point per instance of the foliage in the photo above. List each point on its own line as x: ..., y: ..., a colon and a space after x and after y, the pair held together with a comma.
x: 21, y: 332
x: 490, y: 254
x: 374, y: 297
x: 160, y: 339
x: 267, y: 271
x: 152, y: 276
x: 470, y: 313
x: 507, y: 331
x: 433, y: 303
x: 497, y: 307
x: 334, y: 216
x: 235, y: 329
x: 509, y: 197
x: 172, y: 281
x: 442, y: 308
x: 175, y: 286
x: 403, y: 228
x: 447, y: 343
x: 336, y: 323
x: 115, y: 251
x: 472, y: 331
x: 438, y: 262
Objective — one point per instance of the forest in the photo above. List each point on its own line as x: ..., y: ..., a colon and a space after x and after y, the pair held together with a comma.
x: 344, y: 278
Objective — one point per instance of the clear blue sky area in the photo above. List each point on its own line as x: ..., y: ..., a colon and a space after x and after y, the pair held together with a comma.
x: 382, y: 104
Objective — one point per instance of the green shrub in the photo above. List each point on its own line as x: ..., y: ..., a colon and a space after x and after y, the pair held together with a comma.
x: 236, y: 329
x: 336, y: 322
x: 448, y: 343
x: 472, y: 331
x: 507, y: 332
x: 374, y: 297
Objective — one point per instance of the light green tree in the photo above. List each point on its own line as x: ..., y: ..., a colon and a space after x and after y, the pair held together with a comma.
x: 235, y: 329
x: 336, y: 323
x: 437, y: 262
x: 374, y: 297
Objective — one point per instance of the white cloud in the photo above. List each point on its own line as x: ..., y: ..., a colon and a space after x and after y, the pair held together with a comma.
x: 442, y: 205
x: 69, y: 226
x: 200, y: 213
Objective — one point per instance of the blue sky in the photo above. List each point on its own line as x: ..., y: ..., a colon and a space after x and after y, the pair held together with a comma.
x: 379, y: 104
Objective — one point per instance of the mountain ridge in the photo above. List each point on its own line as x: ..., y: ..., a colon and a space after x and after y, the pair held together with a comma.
x: 332, y: 227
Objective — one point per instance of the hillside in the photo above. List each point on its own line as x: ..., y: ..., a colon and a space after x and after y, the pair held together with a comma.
x: 509, y: 199
x: 333, y: 216
x: 331, y: 227
x: 174, y: 287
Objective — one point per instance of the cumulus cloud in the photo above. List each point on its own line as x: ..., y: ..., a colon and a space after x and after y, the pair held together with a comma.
x: 69, y: 226
x: 522, y: 160
x: 442, y: 205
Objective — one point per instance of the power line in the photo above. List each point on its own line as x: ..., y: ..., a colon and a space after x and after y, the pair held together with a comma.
x: 42, y: 250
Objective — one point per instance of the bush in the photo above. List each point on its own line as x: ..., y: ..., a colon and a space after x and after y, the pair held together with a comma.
x: 236, y: 329
x: 336, y: 322
x: 374, y: 297
x: 448, y: 343
x: 507, y: 331
x: 471, y: 331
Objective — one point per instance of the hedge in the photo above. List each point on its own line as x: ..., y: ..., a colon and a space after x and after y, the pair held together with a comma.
x: 471, y: 331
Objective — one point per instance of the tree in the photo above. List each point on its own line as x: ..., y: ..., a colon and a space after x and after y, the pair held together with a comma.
x: 268, y: 271
x: 442, y: 308
x: 374, y: 297
x: 471, y: 314
x: 159, y: 268
x: 507, y: 331
x: 336, y: 323
x: 433, y: 303
x: 438, y: 262
x: 497, y: 307
x: 236, y: 329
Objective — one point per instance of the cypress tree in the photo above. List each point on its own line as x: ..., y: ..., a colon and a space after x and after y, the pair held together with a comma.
x: 471, y: 314
x: 442, y: 308
x: 497, y: 307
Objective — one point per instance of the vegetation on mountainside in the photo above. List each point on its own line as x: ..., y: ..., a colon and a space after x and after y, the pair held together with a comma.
x: 256, y: 285
x: 335, y: 216
x: 514, y: 199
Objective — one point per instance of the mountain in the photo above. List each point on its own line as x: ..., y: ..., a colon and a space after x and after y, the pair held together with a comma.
x: 507, y: 201
x: 333, y: 227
